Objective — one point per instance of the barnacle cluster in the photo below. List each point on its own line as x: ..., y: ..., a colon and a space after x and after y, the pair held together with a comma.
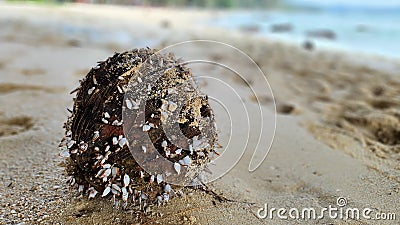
x: 117, y: 115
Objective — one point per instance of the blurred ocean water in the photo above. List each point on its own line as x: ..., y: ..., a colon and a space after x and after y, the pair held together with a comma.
x: 368, y: 27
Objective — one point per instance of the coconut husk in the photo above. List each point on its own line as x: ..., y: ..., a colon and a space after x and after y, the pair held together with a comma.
x: 118, y: 127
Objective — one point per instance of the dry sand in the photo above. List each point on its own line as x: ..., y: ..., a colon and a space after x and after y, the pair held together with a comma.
x: 337, y: 126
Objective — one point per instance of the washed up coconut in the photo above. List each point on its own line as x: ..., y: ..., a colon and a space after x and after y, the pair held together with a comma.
x: 139, y: 130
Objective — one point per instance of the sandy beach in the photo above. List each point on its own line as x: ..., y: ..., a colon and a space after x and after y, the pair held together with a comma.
x: 337, y: 125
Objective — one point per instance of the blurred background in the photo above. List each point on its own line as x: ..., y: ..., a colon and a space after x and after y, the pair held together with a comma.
x: 364, y: 26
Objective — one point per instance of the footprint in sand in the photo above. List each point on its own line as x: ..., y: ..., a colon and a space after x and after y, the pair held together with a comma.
x: 242, y: 81
x: 33, y: 72
x: 264, y: 100
x: 8, y: 87
x: 286, y: 109
x: 383, y: 103
x: 377, y: 126
x: 378, y: 90
x: 15, y: 125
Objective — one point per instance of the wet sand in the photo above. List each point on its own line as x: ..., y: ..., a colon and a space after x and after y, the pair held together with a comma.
x: 337, y: 130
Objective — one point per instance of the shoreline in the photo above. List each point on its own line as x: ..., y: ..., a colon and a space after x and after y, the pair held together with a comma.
x: 277, y: 25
